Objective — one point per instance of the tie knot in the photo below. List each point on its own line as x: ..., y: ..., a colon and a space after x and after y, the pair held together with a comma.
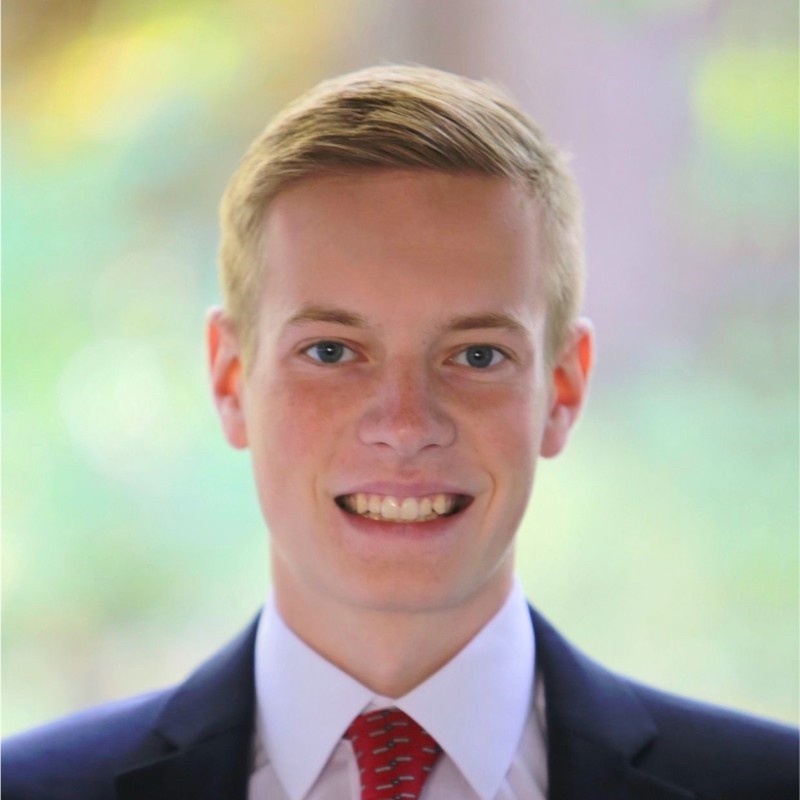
x: 394, y: 754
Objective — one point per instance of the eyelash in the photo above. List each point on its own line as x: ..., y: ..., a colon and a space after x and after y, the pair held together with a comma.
x: 341, y: 348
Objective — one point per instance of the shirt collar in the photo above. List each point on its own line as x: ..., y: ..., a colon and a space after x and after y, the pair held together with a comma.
x: 305, y: 703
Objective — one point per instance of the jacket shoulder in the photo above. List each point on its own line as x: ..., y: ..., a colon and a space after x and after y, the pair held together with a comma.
x: 711, y: 747
x: 84, y: 756
x: 700, y: 750
x: 78, y: 756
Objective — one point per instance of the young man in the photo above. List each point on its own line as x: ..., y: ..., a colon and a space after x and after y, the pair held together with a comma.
x: 400, y: 342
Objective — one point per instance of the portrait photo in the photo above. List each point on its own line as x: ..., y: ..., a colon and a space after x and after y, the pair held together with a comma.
x: 441, y: 358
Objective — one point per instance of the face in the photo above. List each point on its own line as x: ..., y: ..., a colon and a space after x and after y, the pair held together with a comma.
x: 398, y: 396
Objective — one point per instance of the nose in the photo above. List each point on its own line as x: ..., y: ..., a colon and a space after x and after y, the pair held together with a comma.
x: 404, y: 412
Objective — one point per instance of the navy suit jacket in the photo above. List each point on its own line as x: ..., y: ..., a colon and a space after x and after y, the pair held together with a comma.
x: 608, y: 737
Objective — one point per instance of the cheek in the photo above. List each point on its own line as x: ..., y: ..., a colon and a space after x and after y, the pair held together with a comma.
x: 517, y: 430
x: 296, y: 426
x: 506, y: 422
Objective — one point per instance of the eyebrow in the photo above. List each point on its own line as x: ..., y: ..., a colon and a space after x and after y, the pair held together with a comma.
x: 491, y: 319
x: 464, y: 322
x: 338, y: 316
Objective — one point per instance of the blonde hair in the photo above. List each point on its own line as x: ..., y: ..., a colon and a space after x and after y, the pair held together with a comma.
x: 402, y: 117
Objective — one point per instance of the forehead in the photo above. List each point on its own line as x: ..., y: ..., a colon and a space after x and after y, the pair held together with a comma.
x: 448, y: 235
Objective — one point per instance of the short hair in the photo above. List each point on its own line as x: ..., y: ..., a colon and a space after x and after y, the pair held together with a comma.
x: 401, y: 117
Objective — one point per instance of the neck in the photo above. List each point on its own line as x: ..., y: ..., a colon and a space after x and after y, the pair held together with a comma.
x: 390, y: 651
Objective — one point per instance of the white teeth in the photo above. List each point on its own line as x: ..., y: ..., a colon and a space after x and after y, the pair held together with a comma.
x: 440, y: 504
x: 409, y: 509
x: 390, y: 508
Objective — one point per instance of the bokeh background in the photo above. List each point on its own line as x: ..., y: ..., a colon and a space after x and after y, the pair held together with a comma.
x: 664, y: 541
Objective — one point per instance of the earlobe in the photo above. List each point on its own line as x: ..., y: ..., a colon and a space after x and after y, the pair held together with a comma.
x: 225, y: 369
x: 570, y: 379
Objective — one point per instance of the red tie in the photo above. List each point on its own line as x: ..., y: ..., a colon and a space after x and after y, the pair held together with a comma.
x: 394, y: 754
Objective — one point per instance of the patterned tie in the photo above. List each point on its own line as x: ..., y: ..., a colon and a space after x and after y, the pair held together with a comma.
x: 394, y: 754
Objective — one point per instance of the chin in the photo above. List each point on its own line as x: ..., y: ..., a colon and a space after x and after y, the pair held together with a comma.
x: 410, y: 589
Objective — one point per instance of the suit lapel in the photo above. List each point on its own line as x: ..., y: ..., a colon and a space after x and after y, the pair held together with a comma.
x: 584, y: 770
x: 596, y: 728
x: 201, y: 742
x: 214, y: 769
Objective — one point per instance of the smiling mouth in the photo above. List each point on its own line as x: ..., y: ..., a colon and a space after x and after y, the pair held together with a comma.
x: 387, y: 508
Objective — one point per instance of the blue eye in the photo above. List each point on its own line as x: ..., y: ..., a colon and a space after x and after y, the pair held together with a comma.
x: 479, y: 356
x: 330, y: 352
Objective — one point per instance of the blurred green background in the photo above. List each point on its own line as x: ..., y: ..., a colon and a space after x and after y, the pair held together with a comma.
x: 664, y: 542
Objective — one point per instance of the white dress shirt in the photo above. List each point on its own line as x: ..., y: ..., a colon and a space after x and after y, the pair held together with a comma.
x: 480, y: 707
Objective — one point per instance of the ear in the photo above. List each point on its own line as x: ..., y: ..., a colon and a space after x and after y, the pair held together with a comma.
x: 225, y: 368
x: 570, y: 382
